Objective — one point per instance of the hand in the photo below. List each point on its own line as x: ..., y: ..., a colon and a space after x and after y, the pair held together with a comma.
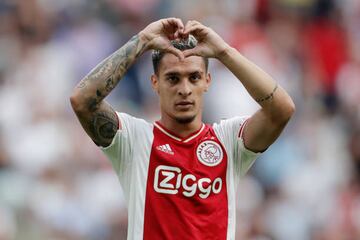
x: 158, y: 35
x: 210, y: 44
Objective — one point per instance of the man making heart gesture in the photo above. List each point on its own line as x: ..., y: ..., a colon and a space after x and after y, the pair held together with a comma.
x: 178, y: 174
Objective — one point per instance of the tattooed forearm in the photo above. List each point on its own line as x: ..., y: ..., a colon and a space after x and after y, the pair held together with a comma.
x: 96, y: 116
x: 104, y: 77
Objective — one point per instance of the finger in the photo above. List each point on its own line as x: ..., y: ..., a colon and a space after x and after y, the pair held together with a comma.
x: 172, y: 36
x: 193, y: 29
x: 194, y: 22
x: 180, y: 35
x: 191, y: 23
x: 176, y: 52
x: 176, y: 22
x: 191, y: 52
x: 177, y: 34
x: 188, y: 24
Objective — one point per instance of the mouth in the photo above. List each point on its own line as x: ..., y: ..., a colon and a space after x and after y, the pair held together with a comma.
x: 184, y: 104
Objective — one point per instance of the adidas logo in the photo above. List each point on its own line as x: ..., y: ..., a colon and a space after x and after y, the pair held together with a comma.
x: 165, y: 148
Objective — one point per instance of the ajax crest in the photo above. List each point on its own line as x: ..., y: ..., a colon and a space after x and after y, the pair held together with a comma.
x: 209, y: 153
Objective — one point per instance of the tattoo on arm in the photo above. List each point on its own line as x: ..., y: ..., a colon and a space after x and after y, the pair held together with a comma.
x: 104, y: 77
x: 96, y: 116
x: 268, y: 97
x: 103, y: 127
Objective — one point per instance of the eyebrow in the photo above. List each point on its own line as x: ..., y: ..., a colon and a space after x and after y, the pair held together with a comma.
x: 172, y: 73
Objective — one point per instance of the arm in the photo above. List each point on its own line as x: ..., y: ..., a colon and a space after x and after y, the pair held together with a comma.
x: 264, y: 127
x: 96, y: 116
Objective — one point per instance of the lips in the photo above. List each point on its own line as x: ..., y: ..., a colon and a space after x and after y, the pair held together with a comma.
x: 184, y: 103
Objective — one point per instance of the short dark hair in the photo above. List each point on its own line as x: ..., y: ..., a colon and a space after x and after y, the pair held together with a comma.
x: 182, y: 45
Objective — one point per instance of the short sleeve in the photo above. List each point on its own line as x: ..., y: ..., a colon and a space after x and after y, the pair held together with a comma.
x: 120, y: 151
x: 230, y: 133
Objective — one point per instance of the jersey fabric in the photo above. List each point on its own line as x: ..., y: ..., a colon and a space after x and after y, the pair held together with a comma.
x: 180, y: 188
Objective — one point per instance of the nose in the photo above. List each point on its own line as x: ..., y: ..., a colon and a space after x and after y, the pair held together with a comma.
x: 184, y: 88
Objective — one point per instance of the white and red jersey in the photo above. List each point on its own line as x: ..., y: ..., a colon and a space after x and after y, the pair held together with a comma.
x: 180, y: 188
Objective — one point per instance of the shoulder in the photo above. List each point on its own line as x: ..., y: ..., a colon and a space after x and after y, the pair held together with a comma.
x: 231, y: 125
x: 130, y: 130
x: 126, y: 121
x: 230, y: 130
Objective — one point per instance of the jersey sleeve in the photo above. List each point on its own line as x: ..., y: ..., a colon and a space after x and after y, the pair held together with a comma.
x: 230, y: 132
x: 120, y: 151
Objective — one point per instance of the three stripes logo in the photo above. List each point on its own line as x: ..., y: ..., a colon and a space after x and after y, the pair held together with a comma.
x: 165, y: 148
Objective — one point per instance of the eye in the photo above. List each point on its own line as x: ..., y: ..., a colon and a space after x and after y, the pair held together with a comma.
x: 195, y: 77
x: 173, y: 79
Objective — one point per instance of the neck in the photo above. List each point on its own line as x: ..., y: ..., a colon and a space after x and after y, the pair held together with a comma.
x: 181, y: 129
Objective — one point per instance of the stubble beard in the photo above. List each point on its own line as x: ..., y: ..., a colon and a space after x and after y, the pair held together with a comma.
x: 185, y: 120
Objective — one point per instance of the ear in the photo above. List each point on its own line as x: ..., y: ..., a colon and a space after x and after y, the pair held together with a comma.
x: 208, y: 82
x: 155, y: 83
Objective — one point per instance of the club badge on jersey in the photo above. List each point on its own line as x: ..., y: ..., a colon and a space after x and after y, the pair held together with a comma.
x: 209, y: 153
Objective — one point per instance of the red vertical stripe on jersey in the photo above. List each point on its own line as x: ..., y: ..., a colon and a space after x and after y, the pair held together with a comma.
x: 242, y: 128
x: 185, y: 198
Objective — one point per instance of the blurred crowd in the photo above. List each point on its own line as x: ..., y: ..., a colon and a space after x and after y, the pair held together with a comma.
x: 56, y: 184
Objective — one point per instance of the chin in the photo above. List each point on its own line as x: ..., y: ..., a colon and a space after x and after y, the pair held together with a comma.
x: 185, y: 119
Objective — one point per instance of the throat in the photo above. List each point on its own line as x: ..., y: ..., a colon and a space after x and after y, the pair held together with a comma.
x: 181, y: 128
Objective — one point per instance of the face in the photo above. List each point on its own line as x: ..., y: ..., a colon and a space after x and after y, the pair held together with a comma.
x: 180, y: 86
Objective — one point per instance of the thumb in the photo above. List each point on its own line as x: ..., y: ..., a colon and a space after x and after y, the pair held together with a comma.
x: 191, y: 52
x: 176, y: 52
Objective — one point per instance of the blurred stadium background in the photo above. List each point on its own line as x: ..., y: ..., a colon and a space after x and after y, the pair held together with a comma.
x: 55, y: 183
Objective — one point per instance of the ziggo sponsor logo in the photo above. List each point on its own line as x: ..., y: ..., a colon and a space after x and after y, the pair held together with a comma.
x: 173, y: 179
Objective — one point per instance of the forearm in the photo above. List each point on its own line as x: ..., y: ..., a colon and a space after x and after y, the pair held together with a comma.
x: 274, y: 100
x: 96, y: 85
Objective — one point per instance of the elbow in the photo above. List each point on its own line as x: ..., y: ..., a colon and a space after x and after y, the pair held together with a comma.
x: 83, y: 103
x: 288, y: 110
x: 282, y: 114
x: 76, y: 102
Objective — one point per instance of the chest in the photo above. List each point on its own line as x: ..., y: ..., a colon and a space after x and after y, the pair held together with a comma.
x: 196, y: 168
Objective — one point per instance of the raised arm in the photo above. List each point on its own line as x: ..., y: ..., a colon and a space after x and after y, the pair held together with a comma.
x: 96, y: 116
x: 264, y: 127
